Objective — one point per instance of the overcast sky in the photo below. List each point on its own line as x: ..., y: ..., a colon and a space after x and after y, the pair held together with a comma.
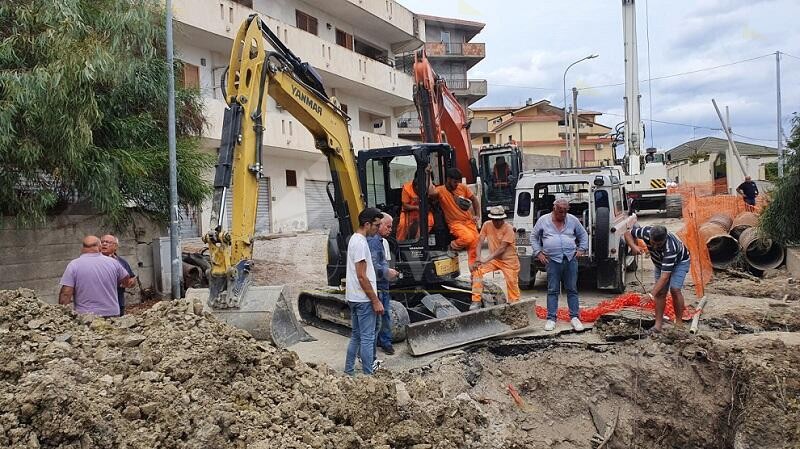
x: 529, y: 43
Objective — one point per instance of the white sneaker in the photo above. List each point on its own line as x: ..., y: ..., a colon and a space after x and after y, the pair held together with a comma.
x: 376, y: 365
x: 550, y: 325
x: 576, y: 324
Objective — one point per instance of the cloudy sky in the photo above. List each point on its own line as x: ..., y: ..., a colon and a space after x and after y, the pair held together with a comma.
x: 529, y: 43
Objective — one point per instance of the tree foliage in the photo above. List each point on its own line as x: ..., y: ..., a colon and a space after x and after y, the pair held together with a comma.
x: 780, y: 219
x: 83, y: 111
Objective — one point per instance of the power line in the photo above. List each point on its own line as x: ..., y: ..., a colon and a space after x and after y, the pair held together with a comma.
x: 669, y: 123
x: 656, y: 78
x: 791, y: 56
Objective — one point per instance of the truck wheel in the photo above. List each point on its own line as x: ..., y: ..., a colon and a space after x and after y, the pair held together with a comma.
x: 398, y: 315
x: 529, y: 284
x: 619, y: 275
x: 674, y: 206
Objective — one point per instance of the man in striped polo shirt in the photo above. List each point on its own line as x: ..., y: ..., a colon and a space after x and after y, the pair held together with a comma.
x: 671, y: 260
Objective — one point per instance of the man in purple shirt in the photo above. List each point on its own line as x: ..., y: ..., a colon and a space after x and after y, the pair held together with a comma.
x: 92, y: 280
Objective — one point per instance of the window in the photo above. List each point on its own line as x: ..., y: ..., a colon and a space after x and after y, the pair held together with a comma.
x: 587, y: 156
x: 564, y: 154
x: 524, y: 204
x: 617, y: 197
x: 376, y: 187
x: 487, y: 140
x: 306, y: 22
x: 445, y: 37
x: 344, y: 39
x: 190, y: 76
x: 343, y: 107
x: 291, y: 178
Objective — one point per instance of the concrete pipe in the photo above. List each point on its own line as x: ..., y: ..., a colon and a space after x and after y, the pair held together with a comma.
x: 760, y: 252
x: 722, y: 248
x: 743, y: 221
x: 723, y: 220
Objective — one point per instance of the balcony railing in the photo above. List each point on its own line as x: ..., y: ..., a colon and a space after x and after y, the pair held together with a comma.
x: 406, y: 125
x: 456, y: 83
x: 470, y: 49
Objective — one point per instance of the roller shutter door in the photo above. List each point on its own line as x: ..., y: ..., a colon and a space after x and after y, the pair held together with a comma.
x: 319, y: 211
x: 189, y: 222
x: 263, y: 215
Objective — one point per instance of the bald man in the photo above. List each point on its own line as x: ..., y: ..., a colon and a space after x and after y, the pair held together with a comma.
x: 90, y: 282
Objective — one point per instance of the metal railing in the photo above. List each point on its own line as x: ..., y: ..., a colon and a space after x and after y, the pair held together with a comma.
x: 407, y: 124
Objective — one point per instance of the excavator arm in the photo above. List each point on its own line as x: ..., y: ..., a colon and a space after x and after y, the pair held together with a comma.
x: 440, y: 112
x: 255, y: 73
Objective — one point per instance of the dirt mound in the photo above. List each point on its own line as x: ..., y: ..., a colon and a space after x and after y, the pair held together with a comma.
x: 175, y: 378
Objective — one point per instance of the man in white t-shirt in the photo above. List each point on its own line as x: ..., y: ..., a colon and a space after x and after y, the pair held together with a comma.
x: 361, y: 293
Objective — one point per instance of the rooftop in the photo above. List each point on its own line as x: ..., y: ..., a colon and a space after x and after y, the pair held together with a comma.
x: 707, y: 145
x: 471, y: 28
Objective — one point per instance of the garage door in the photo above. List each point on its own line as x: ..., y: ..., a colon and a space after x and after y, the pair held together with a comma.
x: 319, y: 211
x: 263, y: 217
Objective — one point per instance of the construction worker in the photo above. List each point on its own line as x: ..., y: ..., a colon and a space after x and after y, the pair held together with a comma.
x: 749, y: 191
x: 501, y: 172
x: 461, y: 211
x: 502, y: 257
x: 671, y: 261
x: 408, y: 224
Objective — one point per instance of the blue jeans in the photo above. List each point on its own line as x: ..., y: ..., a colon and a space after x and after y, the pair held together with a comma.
x: 565, y: 272
x: 384, y: 338
x: 678, y: 276
x: 362, y: 339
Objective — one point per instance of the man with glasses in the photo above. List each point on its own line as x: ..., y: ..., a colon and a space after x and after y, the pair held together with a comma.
x: 558, y: 239
x: 108, y: 247
x: 671, y: 260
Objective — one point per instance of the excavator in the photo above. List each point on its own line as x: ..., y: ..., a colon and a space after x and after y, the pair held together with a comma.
x: 430, y: 305
x: 442, y: 119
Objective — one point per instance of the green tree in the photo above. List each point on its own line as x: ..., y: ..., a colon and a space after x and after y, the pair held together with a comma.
x: 779, y: 219
x: 83, y: 111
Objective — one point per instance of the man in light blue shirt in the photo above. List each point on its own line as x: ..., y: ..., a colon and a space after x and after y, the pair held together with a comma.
x: 557, y: 239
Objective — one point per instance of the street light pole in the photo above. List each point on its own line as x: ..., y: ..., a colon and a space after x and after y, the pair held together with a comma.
x: 566, y: 127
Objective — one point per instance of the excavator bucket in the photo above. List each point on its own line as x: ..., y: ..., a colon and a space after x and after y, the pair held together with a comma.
x: 264, y: 313
x: 454, y: 330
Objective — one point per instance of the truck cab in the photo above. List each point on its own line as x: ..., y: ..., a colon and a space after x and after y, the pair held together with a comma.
x: 597, y: 199
x: 499, y: 169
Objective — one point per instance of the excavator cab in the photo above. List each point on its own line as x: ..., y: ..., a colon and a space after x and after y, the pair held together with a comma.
x: 500, y: 167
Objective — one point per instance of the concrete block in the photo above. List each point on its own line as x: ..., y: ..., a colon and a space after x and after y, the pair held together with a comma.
x: 793, y: 261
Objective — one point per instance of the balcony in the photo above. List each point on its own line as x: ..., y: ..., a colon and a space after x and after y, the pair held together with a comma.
x: 469, y: 52
x: 478, y: 127
x: 469, y: 90
x: 213, y: 25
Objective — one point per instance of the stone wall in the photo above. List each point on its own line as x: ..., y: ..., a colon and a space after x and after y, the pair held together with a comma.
x: 35, y: 258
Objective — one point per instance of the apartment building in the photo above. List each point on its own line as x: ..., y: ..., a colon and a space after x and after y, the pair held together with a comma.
x: 452, y: 55
x: 353, y: 44
x: 538, y: 128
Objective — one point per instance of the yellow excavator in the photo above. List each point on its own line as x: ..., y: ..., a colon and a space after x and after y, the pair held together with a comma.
x: 430, y: 307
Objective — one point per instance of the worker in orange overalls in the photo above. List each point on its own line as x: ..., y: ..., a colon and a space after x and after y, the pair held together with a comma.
x: 461, y: 211
x: 408, y: 225
x: 502, y: 257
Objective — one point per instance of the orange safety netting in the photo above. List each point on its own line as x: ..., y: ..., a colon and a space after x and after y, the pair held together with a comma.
x: 590, y: 315
x: 699, y: 204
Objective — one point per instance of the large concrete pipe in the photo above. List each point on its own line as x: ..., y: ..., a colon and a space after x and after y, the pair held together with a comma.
x: 759, y: 251
x: 722, y: 220
x: 743, y: 221
x: 722, y: 248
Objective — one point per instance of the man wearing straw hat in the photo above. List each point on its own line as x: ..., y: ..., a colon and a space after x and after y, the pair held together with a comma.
x: 671, y: 261
x: 502, y: 257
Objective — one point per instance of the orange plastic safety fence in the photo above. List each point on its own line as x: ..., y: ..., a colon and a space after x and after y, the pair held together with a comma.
x: 590, y: 315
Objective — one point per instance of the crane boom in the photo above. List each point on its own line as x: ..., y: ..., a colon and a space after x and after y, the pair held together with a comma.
x: 633, y: 117
x: 440, y: 112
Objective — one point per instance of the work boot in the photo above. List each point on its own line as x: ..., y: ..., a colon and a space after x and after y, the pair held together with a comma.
x: 576, y: 324
x: 475, y: 305
x: 388, y: 350
x: 550, y: 325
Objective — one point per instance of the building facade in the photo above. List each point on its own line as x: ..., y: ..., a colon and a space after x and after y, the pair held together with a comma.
x: 538, y: 128
x: 451, y: 55
x: 353, y: 44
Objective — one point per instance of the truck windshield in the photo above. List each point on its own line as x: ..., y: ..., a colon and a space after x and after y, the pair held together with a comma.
x: 576, y: 193
x: 497, y: 172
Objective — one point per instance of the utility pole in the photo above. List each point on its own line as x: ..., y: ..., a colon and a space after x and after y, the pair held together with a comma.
x: 780, y: 127
x: 174, y: 237
x: 633, y: 119
x: 577, y: 120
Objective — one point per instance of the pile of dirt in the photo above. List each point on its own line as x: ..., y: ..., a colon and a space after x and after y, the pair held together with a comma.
x: 173, y: 377
x: 776, y: 284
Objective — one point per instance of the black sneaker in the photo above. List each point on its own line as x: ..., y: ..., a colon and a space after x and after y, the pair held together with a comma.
x: 388, y: 351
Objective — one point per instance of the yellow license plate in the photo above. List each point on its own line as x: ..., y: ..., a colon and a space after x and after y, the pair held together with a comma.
x: 446, y: 266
